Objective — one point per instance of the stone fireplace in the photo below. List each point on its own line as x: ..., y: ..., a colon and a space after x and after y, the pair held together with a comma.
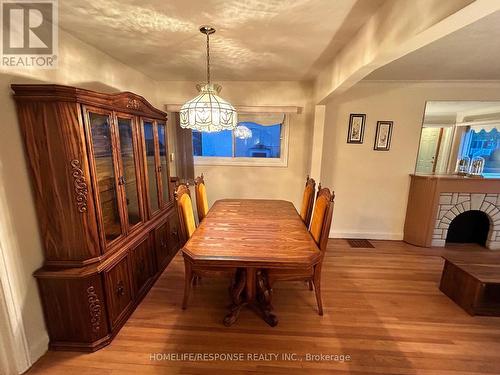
x: 435, y: 202
x: 451, y: 205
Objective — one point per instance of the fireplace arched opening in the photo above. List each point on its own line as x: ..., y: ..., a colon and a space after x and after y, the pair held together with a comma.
x: 469, y: 227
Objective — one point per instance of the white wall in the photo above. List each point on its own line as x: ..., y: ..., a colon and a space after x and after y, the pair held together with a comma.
x: 371, y: 187
x: 258, y: 182
x: 20, y: 246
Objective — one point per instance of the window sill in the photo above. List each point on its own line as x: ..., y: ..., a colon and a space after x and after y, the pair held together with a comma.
x: 241, y: 162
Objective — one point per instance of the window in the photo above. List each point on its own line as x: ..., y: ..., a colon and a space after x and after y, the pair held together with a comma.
x: 259, y: 139
x: 484, y: 142
x: 213, y: 144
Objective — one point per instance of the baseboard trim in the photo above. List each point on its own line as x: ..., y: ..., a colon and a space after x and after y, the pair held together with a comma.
x: 367, y: 235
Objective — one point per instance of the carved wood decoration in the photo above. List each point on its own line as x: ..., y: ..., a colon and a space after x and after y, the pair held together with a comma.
x: 80, y: 185
x: 102, y: 243
x: 94, y: 309
x: 133, y: 103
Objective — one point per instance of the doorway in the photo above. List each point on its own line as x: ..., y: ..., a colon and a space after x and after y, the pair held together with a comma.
x: 429, y: 148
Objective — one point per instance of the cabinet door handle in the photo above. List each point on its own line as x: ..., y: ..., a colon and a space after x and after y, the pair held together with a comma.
x: 120, y: 289
x: 121, y: 180
x: 175, y: 234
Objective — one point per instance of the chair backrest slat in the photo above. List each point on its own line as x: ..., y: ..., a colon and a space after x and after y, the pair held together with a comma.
x: 322, y: 217
x: 185, y: 207
x: 307, y: 201
x: 201, y: 197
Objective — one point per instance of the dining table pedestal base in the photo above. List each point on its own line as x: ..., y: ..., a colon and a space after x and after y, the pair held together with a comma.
x: 250, y: 287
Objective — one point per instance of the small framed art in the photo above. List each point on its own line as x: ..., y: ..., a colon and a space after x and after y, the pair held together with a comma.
x: 383, y: 136
x: 356, y: 128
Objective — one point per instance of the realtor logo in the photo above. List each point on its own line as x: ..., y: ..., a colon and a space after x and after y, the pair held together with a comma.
x: 29, y: 33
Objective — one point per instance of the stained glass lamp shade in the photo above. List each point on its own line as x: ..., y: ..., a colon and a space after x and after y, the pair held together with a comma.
x: 208, y: 112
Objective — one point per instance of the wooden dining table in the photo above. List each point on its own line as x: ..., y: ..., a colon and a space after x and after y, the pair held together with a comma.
x: 249, y: 237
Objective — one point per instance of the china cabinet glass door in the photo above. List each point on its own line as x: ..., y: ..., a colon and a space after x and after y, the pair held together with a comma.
x: 101, y: 131
x: 129, y: 177
x: 162, y: 146
x: 151, y: 155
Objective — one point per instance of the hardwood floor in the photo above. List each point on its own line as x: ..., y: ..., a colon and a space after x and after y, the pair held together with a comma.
x: 382, y: 307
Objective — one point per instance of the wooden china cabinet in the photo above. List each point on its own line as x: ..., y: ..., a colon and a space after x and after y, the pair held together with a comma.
x: 106, y: 212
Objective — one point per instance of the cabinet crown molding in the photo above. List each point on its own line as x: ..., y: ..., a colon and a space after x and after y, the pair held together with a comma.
x: 122, y: 101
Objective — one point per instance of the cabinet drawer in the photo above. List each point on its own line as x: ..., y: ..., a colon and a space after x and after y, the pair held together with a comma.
x: 118, y: 290
x: 142, y: 264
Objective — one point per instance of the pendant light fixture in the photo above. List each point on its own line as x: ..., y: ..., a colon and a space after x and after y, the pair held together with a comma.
x: 208, y: 112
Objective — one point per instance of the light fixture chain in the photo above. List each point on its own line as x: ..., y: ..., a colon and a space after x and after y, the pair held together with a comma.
x: 208, y: 58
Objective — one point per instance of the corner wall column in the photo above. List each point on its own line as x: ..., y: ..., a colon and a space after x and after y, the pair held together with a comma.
x: 317, y: 142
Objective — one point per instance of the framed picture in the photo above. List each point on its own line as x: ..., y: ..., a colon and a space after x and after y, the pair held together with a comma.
x: 356, y: 128
x: 383, y: 136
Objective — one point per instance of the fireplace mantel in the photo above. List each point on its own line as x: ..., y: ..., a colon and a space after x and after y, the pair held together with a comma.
x: 435, y: 200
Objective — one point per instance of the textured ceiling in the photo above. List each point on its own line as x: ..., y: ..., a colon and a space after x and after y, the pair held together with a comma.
x: 255, y: 39
x: 471, y: 53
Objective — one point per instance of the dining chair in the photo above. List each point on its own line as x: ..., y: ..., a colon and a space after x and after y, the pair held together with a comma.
x: 193, y: 274
x: 319, y: 231
x: 307, y: 201
x: 183, y: 197
x: 188, y: 226
x: 201, y: 197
